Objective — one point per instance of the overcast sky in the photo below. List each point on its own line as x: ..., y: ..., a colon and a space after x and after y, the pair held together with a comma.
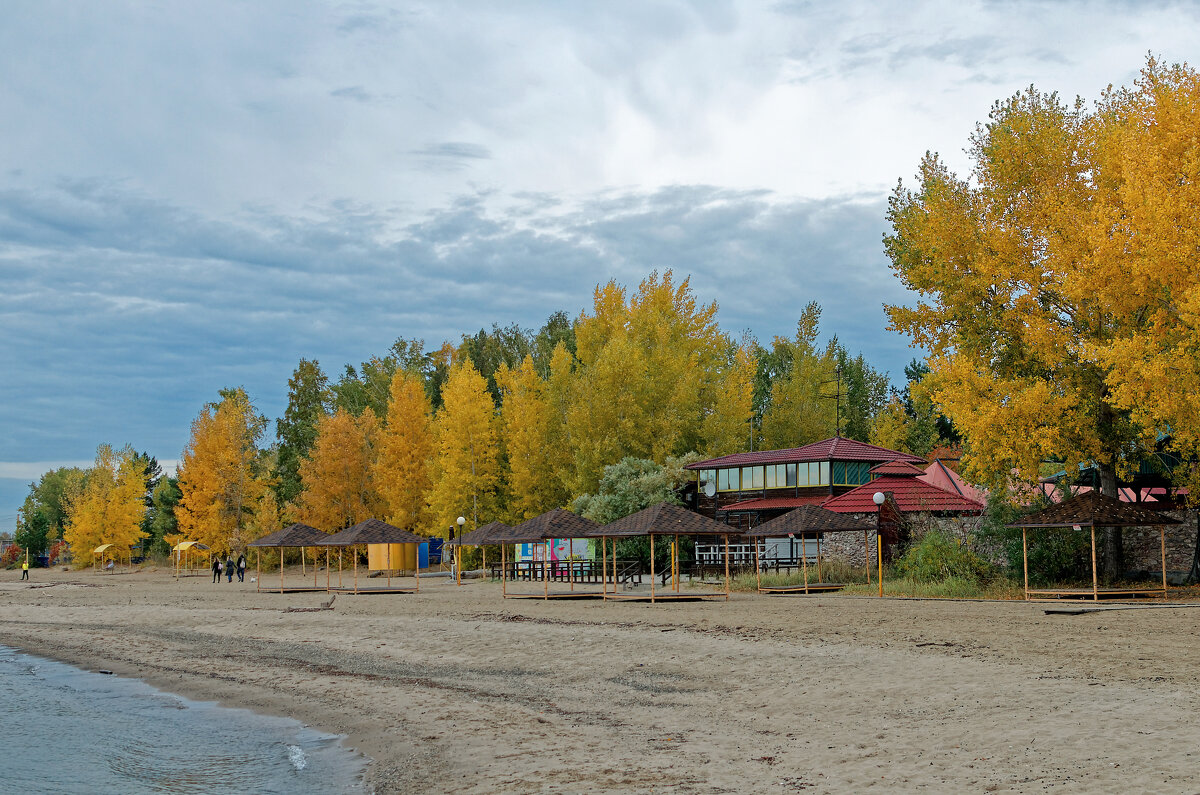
x: 197, y: 195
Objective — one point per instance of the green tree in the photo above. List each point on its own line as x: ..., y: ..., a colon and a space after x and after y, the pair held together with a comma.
x: 43, y: 516
x: 161, y: 520
x: 296, y: 431
x: 369, y: 385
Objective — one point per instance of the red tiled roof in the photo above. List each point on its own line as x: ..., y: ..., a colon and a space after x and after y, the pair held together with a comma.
x: 946, y: 478
x: 909, y: 494
x: 771, y: 503
x: 898, y: 468
x: 835, y: 449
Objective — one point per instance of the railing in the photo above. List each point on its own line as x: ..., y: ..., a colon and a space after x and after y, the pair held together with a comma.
x: 580, y: 571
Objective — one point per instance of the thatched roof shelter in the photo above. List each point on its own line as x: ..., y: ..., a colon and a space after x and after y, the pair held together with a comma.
x: 666, y: 519
x: 295, y: 535
x: 490, y: 533
x: 557, y: 523
x: 809, y: 519
x: 801, y: 522
x: 1091, y: 510
x: 371, y: 531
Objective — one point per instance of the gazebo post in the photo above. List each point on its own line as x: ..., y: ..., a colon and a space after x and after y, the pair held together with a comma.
x: 571, y: 562
x: 339, y: 567
x: 675, y: 563
x: 757, y: 566
x: 1025, y: 558
x: 1095, y: 582
x: 327, y: 574
x: 652, y: 568
x: 257, y: 571
x: 804, y: 558
x: 281, y: 568
x: 727, y: 567
x: 388, y: 561
x: 1162, y: 542
x: 504, y: 570
x: 820, y: 577
x: 355, y: 549
x: 545, y: 571
x: 867, y: 554
x: 603, y: 567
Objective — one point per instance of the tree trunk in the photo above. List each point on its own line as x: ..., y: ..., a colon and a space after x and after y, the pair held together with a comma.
x: 1112, y: 557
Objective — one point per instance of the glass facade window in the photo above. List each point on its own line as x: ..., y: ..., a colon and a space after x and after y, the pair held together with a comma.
x: 770, y: 479
x: 729, y: 479
x: 752, y: 478
x: 851, y: 473
x: 824, y: 473
x: 791, y: 476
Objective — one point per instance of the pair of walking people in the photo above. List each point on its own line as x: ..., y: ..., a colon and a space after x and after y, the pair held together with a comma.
x: 228, y: 568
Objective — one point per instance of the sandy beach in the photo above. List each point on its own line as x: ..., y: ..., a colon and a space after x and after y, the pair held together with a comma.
x: 457, y: 690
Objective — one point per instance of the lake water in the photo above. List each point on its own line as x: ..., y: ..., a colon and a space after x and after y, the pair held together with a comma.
x: 65, y: 730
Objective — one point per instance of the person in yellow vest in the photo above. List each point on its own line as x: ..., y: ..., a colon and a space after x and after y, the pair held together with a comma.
x: 25, y: 570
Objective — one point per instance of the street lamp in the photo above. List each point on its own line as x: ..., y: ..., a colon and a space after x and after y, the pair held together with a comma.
x: 879, y: 498
x: 460, y: 521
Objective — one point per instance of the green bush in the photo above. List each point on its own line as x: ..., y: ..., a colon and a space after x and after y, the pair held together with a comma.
x: 936, y: 557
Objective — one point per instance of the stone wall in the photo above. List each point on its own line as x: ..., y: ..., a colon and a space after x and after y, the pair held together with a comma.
x: 1143, y: 553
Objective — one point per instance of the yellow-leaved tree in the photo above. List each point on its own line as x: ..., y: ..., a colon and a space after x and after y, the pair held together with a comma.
x: 222, y: 479
x: 108, y: 507
x: 1055, y: 284
x: 405, y: 453
x: 338, y: 488
x: 798, y: 409
x: 534, y: 484
x: 727, y: 421
x: 467, y: 469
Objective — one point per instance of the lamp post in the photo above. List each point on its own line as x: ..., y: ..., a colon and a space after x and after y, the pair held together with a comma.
x: 879, y: 498
x: 460, y: 521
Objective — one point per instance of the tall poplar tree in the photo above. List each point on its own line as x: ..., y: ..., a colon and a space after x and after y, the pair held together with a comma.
x: 467, y: 469
x: 221, y: 481
x: 338, y: 476
x: 109, y: 507
x: 308, y: 401
x: 534, y: 484
x: 405, y: 454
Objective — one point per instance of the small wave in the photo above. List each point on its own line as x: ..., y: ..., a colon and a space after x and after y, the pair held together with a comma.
x: 296, y: 757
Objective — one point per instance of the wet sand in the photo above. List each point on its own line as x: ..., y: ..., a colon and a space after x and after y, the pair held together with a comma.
x: 457, y: 690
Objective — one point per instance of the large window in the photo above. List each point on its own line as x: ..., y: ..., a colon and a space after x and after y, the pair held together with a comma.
x: 729, y: 480
x: 752, y: 478
x: 851, y: 473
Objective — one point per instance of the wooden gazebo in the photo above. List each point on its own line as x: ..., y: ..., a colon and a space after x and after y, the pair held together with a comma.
x: 802, y: 522
x: 1092, y: 510
x: 543, y: 529
x: 182, y: 557
x: 293, y: 536
x: 370, y: 531
x: 103, y: 551
x: 490, y: 533
x: 664, y: 519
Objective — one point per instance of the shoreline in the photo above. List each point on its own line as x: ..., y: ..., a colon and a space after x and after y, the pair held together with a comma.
x: 455, y: 689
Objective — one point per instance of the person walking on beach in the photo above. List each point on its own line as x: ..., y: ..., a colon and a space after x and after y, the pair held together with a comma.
x: 216, y: 567
x: 241, y: 567
x: 229, y: 568
x: 25, y: 570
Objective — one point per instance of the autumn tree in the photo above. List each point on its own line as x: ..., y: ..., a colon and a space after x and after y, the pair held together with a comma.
x: 369, y: 384
x: 467, y: 455
x: 796, y: 386
x: 404, y: 455
x: 108, y: 506
x: 308, y: 401
x: 1066, y: 256
x: 727, y: 422
x: 221, y: 476
x: 338, y: 476
x: 534, y: 484
x: 42, y: 517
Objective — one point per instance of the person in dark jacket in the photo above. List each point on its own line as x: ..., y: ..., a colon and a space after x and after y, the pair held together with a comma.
x: 229, y: 568
x: 241, y: 567
x: 216, y: 567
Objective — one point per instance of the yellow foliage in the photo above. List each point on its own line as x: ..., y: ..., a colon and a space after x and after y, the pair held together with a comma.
x: 108, y: 507
x: 405, y: 453
x: 890, y: 427
x: 467, y: 471
x: 534, y: 485
x: 219, y: 478
x: 727, y: 423
x: 338, y: 483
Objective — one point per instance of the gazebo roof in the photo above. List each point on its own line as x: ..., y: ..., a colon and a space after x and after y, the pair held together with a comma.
x: 808, y: 519
x: 371, y: 531
x: 1094, y: 509
x: 665, y: 519
x: 490, y: 533
x: 295, y: 535
x: 186, y: 545
x: 557, y: 523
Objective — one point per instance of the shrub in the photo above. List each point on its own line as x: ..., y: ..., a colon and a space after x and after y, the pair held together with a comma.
x: 936, y: 557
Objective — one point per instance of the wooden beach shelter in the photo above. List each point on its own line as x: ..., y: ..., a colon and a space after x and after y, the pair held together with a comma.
x: 490, y: 533
x: 366, y: 533
x: 542, y: 530
x: 671, y: 521
x: 803, y: 522
x: 1089, y: 511
x: 293, y: 536
x: 183, y: 552
x: 104, y: 551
